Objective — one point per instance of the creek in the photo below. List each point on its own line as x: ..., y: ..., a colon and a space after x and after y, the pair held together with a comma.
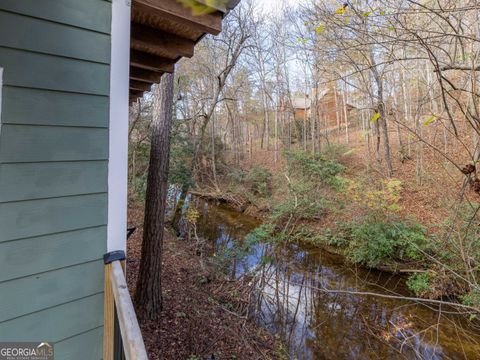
x: 317, y: 324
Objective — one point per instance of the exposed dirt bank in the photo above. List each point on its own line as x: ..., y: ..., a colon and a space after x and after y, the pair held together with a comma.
x: 199, y: 318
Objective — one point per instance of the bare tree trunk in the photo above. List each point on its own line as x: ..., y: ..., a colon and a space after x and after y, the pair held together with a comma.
x: 419, y: 151
x: 345, y: 112
x: 406, y: 107
x: 305, y: 121
x: 214, y: 167
x: 266, y: 125
x: 404, y: 96
x: 418, y: 130
x: 313, y: 115
x: 335, y: 92
x: 476, y: 102
x: 148, y: 295
x: 386, y: 142
x: 275, y: 157
x: 395, y: 111
x: 312, y: 125
x: 367, y: 130
x: 377, y: 142
x: 250, y: 137
x: 382, y: 121
x: 134, y: 168
x: 319, y: 130
x: 289, y: 122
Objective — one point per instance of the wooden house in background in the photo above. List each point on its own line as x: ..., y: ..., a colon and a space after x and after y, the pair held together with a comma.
x: 331, y: 107
x: 68, y: 69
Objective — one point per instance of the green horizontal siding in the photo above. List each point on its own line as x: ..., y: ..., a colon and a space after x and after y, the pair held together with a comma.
x: 56, y: 323
x: 45, y: 253
x: 30, y: 181
x: 34, y: 70
x: 43, y: 107
x: 47, y: 143
x: 33, y: 293
x: 88, y: 14
x: 88, y: 345
x: 47, y: 37
x: 41, y: 217
x: 54, y: 172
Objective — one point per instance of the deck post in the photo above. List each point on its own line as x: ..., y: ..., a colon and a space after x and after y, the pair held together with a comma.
x: 112, y: 341
x: 108, y: 316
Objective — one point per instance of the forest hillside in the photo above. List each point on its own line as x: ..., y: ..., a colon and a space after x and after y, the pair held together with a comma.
x: 324, y: 158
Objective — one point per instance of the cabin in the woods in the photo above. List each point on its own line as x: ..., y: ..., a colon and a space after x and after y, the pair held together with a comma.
x: 332, y: 107
x: 68, y: 70
x: 301, y: 107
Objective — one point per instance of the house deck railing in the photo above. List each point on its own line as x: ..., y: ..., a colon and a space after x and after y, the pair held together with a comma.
x: 122, y: 336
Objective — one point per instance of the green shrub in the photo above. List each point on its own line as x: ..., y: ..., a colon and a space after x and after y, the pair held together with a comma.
x: 308, y: 175
x: 313, y: 167
x: 373, y: 242
x: 181, y: 153
x: 460, y: 230
x: 283, y: 210
x: 336, y: 151
x: 339, y: 237
x: 304, y: 234
x: 258, y: 181
x: 420, y: 283
x: 180, y: 174
x: 139, y: 155
x: 258, y: 235
x: 140, y: 185
x: 237, y: 176
x: 303, y: 208
x: 472, y: 298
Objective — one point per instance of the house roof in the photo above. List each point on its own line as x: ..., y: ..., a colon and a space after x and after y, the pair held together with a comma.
x: 164, y: 31
x: 301, y: 103
x: 305, y: 103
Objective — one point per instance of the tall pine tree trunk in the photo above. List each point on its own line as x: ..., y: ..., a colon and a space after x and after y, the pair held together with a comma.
x: 148, y: 295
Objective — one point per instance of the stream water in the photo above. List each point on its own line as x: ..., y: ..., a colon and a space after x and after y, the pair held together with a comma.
x: 315, y: 324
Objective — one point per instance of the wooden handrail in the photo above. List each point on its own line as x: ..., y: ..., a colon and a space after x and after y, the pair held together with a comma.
x: 117, y: 297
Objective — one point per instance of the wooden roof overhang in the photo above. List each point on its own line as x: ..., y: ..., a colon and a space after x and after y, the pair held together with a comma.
x: 164, y: 31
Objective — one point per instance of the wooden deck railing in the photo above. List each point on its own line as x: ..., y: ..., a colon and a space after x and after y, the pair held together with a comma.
x: 122, y: 337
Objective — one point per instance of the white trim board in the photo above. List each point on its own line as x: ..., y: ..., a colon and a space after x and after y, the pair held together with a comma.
x: 118, y: 134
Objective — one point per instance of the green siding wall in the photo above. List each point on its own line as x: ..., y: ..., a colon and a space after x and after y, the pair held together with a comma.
x: 54, y: 172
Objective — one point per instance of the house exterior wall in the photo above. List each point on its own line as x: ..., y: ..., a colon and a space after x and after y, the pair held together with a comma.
x: 300, y: 114
x: 54, y: 146
x: 327, y: 108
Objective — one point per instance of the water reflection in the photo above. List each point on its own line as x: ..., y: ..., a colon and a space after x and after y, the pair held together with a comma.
x: 326, y: 325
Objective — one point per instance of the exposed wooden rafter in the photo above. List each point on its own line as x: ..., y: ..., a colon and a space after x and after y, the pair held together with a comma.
x: 136, y: 93
x: 160, y: 43
x: 210, y: 23
x: 139, y: 85
x: 147, y: 76
x: 147, y: 61
x: 164, y: 31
